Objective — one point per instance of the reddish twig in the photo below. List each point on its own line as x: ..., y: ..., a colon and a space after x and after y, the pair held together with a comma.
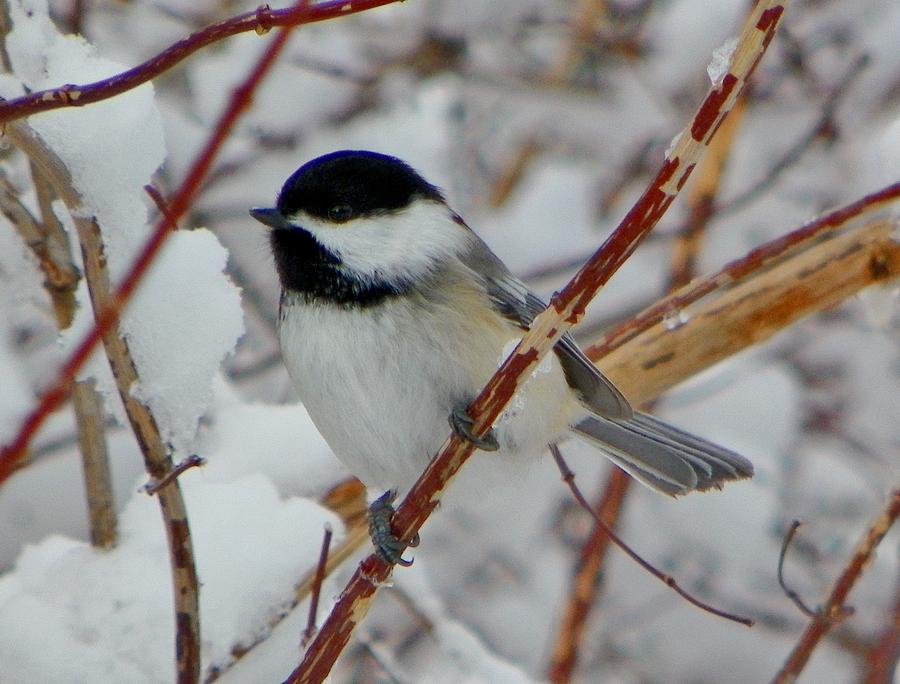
x: 310, y: 631
x: 833, y: 610
x: 192, y: 461
x: 569, y: 478
x: 565, y: 309
x: 790, y: 593
x: 586, y: 584
x: 260, y: 20
x: 587, y: 577
x: 241, y: 99
x: 881, y: 662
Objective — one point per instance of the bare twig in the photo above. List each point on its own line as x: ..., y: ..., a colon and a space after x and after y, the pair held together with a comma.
x: 310, y: 631
x: 569, y: 478
x: 192, y: 461
x: 261, y: 21
x: 834, y: 609
x: 586, y: 584
x: 107, y: 306
x: 790, y: 593
x: 565, y: 309
x: 50, y: 247
x: 157, y: 460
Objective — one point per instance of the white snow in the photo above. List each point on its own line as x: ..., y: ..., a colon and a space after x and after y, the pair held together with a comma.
x: 721, y: 58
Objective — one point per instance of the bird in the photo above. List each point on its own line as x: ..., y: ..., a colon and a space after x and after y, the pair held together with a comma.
x: 394, y: 314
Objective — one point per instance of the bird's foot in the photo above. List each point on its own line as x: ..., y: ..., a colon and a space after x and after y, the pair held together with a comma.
x: 462, y: 423
x: 388, y: 547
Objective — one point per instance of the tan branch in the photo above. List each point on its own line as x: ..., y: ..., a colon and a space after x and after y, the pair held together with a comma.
x: 95, y: 463
x: 751, y: 310
x: 157, y: 460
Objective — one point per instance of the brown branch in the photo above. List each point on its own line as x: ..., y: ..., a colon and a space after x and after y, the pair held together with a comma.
x: 13, y: 453
x: 192, y: 461
x: 586, y: 585
x: 881, y: 662
x: 586, y: 588
x: 834, y: 608
x: 565, y: 309
x: 95, y: 463
x: 261, y: 21
x: 747, y: 312
x: 50, y: 247
x: 318, y: 578
x: 790, y: 593
x: 732, y: 272
x: 569, y: 478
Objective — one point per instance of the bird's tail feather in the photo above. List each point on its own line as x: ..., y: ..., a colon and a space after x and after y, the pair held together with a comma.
x: 663, y: 457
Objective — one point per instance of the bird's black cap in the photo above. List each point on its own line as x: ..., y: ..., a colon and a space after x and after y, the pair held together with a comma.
x: 353, y: 183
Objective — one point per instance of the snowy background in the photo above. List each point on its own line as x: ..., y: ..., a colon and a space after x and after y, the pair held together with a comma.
x: 458, y: 89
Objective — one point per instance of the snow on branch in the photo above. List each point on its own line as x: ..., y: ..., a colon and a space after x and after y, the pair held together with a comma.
x: 261, y: 20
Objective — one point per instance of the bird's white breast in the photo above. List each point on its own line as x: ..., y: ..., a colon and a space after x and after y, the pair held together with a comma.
x: 379, y: 382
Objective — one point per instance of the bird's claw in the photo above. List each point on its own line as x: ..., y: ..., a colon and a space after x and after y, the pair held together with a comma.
x: 462, y: 423
x: 388, y: 547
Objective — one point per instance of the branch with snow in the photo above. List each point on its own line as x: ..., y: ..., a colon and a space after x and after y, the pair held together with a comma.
x: 261, y: 20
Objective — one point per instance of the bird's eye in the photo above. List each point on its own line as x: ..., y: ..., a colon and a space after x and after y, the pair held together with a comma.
x: 340, y: 212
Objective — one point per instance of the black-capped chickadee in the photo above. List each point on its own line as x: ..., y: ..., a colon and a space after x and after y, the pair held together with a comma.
x: 394, y: 315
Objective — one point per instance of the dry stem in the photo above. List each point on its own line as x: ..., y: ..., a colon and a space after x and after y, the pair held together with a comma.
x: 834, y: 608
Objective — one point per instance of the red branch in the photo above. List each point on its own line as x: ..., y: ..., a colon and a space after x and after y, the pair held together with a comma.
x: 566, y: 307
x: 833, y: 610
x: 261, y: 20
x: 13, y: 453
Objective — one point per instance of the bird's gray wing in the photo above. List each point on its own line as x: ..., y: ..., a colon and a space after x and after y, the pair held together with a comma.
x: 660, y: 455
x: 515, y: 301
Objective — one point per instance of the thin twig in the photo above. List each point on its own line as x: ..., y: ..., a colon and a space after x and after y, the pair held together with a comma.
x: 310, y: 631
x: 95, y: 462
x: 790, y: 593
x: 192, y: 461
x: 107, y: 307
x: 569, y: 478
x: 833, y: 610
x: 261, y: 20
x: 566, y: 308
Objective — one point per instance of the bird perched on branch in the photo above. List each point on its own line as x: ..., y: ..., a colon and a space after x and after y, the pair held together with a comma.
x: 394, y: 314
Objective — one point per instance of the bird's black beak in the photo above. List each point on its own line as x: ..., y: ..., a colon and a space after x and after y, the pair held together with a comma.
x: 270, y: 217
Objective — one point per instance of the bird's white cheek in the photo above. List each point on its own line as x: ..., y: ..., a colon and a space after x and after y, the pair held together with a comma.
x: 404, y: 244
